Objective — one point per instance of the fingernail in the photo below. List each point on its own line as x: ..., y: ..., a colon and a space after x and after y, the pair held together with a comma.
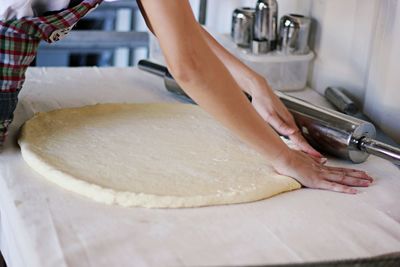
x: 367, y: 183
x: 323, y: 160
x: 319, y: 155
x: 353, y: 191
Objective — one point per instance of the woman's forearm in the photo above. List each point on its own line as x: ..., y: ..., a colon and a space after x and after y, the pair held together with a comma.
x: 244, y: 75
x: 205, y: 78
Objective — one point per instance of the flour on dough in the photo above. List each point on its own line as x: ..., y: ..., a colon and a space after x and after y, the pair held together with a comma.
x: 149, y: 155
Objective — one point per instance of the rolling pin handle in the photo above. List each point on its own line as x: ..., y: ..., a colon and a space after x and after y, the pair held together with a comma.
x: 380, y: 149
x: 153, y: 68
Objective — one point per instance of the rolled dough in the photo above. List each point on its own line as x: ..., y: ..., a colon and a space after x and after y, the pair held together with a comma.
x: 149, y: 155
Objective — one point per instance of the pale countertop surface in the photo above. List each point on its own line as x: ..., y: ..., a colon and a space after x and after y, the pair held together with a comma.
x: 44, y: 225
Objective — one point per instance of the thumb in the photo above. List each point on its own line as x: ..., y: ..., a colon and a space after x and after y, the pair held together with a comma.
x: 281, y: 126
x: 304, y: 146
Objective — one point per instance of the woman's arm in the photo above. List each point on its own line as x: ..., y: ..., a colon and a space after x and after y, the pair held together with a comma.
x: 206, y: 79
x: 247, y: 79
x: 267, y: 104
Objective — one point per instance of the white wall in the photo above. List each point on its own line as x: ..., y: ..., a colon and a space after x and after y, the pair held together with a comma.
x: 344, y: 31
x: 382, y: 96
x: 219, y: 12
x: 357, y: 45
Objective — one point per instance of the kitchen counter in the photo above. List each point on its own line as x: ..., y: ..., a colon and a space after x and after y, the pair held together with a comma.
x: 44, y: 225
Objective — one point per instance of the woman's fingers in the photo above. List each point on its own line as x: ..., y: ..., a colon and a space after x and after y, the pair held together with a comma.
x: 282, y: 121
x: 318, y: 160
x: 332, y: 186
x: 351, y: 172
x: 312, y: 174
x: 345, y: 179
x: 280, y: 125
x: 287, y: 127
x: 303, y: 145
x: 360, y: 174
x: 296, y: 135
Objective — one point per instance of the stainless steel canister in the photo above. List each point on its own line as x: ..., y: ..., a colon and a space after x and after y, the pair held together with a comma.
x: 265, y: 26
x: 294, y: 32
x: 242, y: 26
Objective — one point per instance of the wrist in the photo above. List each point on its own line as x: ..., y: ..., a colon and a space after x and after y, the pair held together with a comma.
x: 258, y: 81
x: 283, y: 159
x: 260, y: 87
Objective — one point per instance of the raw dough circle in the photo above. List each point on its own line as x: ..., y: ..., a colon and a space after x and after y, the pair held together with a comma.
x: 149, y: 155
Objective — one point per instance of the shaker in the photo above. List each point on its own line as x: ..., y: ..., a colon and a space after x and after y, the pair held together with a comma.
x: 294, y: 32
x: 242, y: 26
x: 265, y: 26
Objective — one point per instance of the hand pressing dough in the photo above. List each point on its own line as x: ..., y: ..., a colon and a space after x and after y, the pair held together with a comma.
x: 149, y: 155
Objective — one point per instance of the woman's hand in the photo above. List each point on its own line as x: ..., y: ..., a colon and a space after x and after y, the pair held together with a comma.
x: 267, y: 104
x: 206, y: 71
x: 311, y: 173
x: 272, y: 110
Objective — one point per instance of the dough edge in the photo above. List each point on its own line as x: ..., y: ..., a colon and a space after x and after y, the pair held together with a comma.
x: 131, y: 199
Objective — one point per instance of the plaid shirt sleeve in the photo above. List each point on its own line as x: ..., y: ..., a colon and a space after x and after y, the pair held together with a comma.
x: 19, y: 40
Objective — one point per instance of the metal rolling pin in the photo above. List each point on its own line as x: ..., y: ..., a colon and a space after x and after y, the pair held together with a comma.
x: 327, y: 130
x: 337, y: 133
x: 169, y: 82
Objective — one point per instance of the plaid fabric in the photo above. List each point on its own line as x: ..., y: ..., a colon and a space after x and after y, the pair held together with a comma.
x: 8, y: 103
x: 19, y: 40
